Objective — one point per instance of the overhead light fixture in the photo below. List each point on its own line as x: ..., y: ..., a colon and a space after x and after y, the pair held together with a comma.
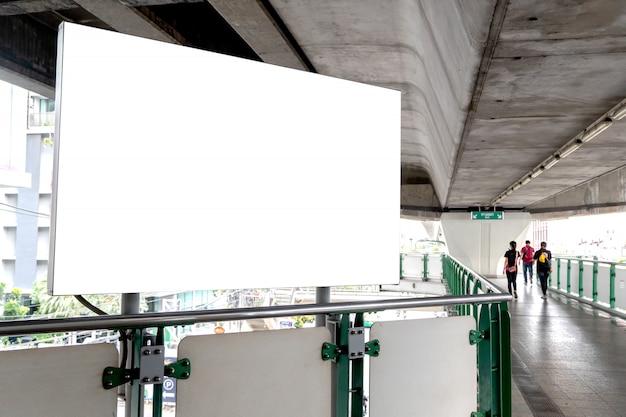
x: 536, y: 172
x: 551, y: 162
x: 619, y: 113
x: 567, y: 150
x: 596, y: 129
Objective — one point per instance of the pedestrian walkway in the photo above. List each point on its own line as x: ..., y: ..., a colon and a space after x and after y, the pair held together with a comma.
x: 567, y: 358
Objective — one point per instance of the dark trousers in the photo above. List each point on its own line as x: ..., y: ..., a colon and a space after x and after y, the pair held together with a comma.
x: 511, y: 278
x: 543, y: 279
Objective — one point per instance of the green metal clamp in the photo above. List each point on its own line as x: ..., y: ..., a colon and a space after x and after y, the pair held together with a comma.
x: 478, y: 414
x: 330, y: 351
x: 113, y: 377
x: 476, y: 336
x: 372, y: 348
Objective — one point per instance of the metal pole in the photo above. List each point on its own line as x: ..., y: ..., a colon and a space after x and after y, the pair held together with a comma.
x: 133, y: 392
x: 179, y: 318
x: 322, y: 297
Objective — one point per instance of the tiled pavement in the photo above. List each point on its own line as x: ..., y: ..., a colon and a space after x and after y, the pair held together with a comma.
x: 567, y: 358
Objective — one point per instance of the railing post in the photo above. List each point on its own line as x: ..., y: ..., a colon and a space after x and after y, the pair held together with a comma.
x: 612, y: 286
x: 425, y: 267
x: 505, y: 361
x: 580, y: 277
x: 157, y: 389
x: 569, y: 275
x: 357, y: 376
x: 343, y: 370
x: 134, y: 391
x: 484, y: 360
x: 558, y: 274
x: 495, y: 347
x: 401, y: 259
x: 595, y: 281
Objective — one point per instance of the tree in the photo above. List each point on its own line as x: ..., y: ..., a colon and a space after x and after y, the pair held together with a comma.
x: 13, y: 308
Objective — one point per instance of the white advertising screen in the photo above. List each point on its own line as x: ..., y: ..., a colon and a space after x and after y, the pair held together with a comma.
x: 179, y: 169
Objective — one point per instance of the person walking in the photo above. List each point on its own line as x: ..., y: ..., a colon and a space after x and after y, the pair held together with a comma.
x: 511, y: 260
x: 543, y: 257
x: 527, y: 262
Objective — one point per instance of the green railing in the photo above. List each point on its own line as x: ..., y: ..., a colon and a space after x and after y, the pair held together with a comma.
x: 471, y: 296
x: 591, y: 281
x: 494, y: 333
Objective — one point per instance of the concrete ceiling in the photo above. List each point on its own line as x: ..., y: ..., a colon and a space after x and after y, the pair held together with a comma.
x: 491, y: 90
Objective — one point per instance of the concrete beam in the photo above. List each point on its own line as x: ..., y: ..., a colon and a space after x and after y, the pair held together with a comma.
x: 602, y: 195
x: 28, y: 54
x: 125, y: 19
x: 253, y: 22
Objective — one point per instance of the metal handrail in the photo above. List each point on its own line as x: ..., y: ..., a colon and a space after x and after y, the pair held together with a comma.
x: 177, y: 318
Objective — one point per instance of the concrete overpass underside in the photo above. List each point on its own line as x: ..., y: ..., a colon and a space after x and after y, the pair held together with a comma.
x: 518, y: 105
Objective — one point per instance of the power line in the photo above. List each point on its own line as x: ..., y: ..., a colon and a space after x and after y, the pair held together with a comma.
x: 22, y: 211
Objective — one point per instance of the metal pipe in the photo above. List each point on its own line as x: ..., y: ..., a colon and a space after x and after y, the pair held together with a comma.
x: 322, y: 296
x: 177, y: 318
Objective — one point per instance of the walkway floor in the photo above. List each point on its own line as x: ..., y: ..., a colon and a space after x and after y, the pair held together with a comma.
x: 567, y: 358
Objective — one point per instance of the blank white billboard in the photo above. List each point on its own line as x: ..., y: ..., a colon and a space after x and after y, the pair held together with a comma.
x: 179, y: 169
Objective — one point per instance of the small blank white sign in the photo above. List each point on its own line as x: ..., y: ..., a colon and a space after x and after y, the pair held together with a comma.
x: 57, y: 381
x: 264, y: 374
x: 425, y: 368
x: 181, y: 169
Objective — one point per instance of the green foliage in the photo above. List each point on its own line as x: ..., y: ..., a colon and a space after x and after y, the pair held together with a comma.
x: 48, y: 141
x: 69, y: 306
x: 14, y: 310
x: 302, y: 320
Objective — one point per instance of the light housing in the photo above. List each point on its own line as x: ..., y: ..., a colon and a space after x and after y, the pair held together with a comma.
x: 596, y: 129
x: 551, y: 162
x: 567, y: 150
x: 619, y: 113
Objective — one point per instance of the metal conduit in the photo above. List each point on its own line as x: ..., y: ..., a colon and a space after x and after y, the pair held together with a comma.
x: 178, y: 318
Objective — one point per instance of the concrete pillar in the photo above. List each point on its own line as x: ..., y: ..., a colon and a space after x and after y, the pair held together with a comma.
x: 480, y: 244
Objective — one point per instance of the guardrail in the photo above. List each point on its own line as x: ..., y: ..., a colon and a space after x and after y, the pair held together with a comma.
x: 601, y: 284
x: 263, y: 370
x: 421, y: 265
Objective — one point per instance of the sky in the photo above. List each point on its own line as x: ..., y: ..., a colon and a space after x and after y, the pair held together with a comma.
x: 602, y: 235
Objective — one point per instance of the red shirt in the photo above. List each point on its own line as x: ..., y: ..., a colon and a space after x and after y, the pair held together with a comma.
x: 527, y: 253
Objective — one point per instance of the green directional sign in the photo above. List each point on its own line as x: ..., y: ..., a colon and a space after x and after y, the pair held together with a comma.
x: 487, y: 215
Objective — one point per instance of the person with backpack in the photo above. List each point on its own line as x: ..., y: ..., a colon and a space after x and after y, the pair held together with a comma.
x: 511, y: 259
x: 543, y: 257
x: 527, y: 262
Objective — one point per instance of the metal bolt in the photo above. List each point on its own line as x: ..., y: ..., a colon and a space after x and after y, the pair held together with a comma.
x: 325, y: 356
x: 185, y: 363
x: 325, y: 346
x: 146, y: 352
x: 156, y: 379
x: 157, y: 351
x: 109, y: 371
x: 146, y: 379
x: 185, y: 375
x: 109, y: 384
x: 169, y: 370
